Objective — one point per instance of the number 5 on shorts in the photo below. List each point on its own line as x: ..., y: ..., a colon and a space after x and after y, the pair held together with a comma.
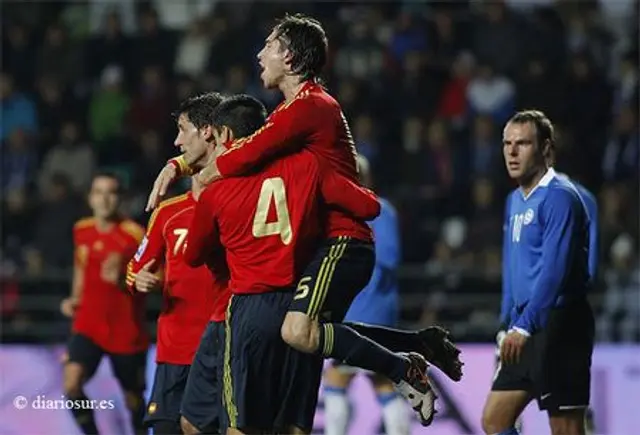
x: 273, y: 191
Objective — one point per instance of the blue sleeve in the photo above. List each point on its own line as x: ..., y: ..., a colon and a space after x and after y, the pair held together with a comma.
x: 386, y: 232
x: 507, y: 296
x: 594, y: 238
x: 561, y: 220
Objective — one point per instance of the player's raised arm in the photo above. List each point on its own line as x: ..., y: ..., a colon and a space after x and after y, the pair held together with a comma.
x: 562, y: 216
x: 141, y: 268
x: 281, y: 134
x: 203, y: 235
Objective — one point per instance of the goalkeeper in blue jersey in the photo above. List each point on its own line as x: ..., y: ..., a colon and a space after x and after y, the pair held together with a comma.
x: 546, y: 352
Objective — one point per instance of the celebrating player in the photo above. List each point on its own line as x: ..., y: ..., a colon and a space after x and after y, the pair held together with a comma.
x: 292, y: 59
x: 546, y: 353
x: 106, y: 318
x: 377, y: 304
x: 269, y: 225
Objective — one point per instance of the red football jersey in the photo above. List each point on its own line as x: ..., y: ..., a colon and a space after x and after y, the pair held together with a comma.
x: 270, y: 222
x: 313, y: 120
x: 191, y: 296
x: 108, y: 314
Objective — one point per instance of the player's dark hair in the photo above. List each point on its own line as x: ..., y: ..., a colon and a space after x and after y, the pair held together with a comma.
x: 543, y: 125
x: 307, y: 41
x: 109, y: 174
x: 199, y: 108
x: 242, y: 114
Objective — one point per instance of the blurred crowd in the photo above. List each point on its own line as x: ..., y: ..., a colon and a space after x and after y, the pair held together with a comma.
x: 426, y: 86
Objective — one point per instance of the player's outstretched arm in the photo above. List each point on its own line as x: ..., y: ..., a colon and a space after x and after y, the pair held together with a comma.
x: 561, y: 217
x: 282, y: 134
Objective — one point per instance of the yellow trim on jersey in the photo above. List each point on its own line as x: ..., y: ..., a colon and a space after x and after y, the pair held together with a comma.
x: 131, y: 277
x: 84, y: 222
x: 227, y: 379
x: 325, y: 275
x: 162, y: 205
x: 133, y: 229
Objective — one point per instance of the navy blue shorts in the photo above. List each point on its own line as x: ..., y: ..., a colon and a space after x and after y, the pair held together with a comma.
x: 267, y: 385
x: 166, y: 396
x: 202, y: 403
x: 341, y: 268
x: 129, y: 369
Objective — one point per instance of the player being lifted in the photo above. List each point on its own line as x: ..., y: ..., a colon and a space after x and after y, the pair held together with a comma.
x: 376, y: 304
x: 106, y: 318
x: 269, y: 226
x: 294, y: 54
x: 546, y: 353
x: 191, y: 296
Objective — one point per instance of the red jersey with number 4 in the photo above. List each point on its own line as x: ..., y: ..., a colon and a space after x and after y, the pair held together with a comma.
x: 191, y: 296
x: 107, y: 314
x: 270, y: 222
x: 315, y: 121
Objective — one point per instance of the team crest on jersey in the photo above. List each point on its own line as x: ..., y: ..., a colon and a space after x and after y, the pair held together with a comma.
x: 141, y: 248
x: 528, y: 216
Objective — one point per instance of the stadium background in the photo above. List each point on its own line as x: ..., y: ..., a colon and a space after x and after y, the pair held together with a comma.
x: 426, y: 87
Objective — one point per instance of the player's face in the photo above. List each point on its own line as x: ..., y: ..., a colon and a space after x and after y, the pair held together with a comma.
x: 522, y: 154
x: 273, y: 59
x: 191, y: 141
x: 104, y: 198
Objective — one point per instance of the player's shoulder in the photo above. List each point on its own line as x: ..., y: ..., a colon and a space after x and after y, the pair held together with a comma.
x: 315, y: 97
x: 169, y: 206
x: 84, y: 224
x: 132, y: 229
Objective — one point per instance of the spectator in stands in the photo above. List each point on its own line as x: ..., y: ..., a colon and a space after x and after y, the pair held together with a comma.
x: 71, y: 157
x: 18, y: 110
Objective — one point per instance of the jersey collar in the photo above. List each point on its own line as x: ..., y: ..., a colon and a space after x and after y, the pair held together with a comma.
x: 544, y: 182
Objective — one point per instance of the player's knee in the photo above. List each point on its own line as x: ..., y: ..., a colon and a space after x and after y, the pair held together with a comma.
x: 300, y: 332
x: 567, y: 422
x: 187, y: 427
x: 493, y: 421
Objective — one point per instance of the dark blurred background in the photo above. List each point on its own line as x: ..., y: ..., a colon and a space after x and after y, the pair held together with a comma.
x: 426, y: 86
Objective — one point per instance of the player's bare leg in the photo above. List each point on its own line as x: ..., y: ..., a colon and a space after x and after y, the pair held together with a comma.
x: 187, y: 427
x: 501, y: 410
x: 73, y: 382
x: 336, y: 403
x: 340, y: 342
x: 570, y: 422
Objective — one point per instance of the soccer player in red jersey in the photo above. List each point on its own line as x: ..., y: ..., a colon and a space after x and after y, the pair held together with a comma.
x: 191, y: 298
x: 293, y: 56
x: 270, y: 225
x: 106, y: 318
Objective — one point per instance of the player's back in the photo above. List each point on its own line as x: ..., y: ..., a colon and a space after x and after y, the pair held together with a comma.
x: 333, y: 142
x: 269, y: 222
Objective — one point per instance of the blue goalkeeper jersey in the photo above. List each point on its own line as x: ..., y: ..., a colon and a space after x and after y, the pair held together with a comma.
x: 545, y: 252
x: 378, y: 302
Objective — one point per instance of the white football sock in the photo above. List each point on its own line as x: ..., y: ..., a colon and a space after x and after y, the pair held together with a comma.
x: 395, y: 414
x: 337, y: 411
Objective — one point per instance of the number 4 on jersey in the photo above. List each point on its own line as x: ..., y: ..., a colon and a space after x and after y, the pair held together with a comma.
x: 273, y: 191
